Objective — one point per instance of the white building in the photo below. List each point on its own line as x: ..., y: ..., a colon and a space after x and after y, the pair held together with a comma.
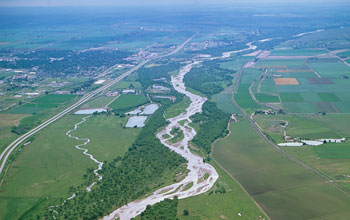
x: 128, y: 91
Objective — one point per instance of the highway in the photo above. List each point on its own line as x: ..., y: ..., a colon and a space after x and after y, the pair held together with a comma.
x: 10, y: 148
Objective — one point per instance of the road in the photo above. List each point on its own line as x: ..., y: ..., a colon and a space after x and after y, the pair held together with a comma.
x: 9, y: 149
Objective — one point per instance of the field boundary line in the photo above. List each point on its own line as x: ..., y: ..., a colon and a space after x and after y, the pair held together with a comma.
x: 228, y: 173
x: 111, y: 101
x: 316, y: 73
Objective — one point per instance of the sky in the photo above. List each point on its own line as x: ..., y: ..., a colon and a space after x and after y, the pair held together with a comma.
x: 34, y: 3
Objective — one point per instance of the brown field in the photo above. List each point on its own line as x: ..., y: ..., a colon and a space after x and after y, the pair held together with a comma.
x: 320, y: 81
x: 286, y: 81
x: 3, y: 43
x: 9, y: 120
x: 293, y: 70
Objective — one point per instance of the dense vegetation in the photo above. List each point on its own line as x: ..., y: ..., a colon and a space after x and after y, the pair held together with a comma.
x: 212, y: 125
x: 208, y: 78
x: 165, y: 210
x: 27, y: 123
x: 146, y: 76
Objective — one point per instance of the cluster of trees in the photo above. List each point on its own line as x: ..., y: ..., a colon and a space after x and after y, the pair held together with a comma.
x: 84, y: 86
x: 208, y: 78
x: 212, y: 125
x: 27, y: 123
x: 146, y: 75
x: 140, y: 171
x: 165, y: 210
x: 61, y: 63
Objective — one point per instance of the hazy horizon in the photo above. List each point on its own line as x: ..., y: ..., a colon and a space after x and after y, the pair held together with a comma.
x: 57, y: 3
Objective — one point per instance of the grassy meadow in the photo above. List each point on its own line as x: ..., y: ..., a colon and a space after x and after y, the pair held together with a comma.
x: 61, y: 165
x: 128, y: 101
x: 42, y: 103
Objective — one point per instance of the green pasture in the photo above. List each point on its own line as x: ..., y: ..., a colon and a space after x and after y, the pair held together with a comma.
x: 128, y: 101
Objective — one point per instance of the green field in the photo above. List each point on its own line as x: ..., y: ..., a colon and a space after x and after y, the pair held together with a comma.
x: 99, y: 102
x: 299, y: 75
x: 216, y: 205
x: 334, y: 151
x: 331, y: 69
x: 266, y: 98
x: 298, y: 52
x: 344, y: 54
x: 234, y: 64
x: 244, y: 99
x: 331, y: 159
x: 224, y: 102
x: 291, y: 97
x: 282, y: 64
x: 283, y: 189
x: 329, y: 97
x: 305, y: 126
x: 299, y: 107
x: 124, y: 84
x: 268, y: 87
x: 7, y: 121
x: 61, y: 165
x: 178, y: 108
x: 128, y: 101
x: 41, y: 103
